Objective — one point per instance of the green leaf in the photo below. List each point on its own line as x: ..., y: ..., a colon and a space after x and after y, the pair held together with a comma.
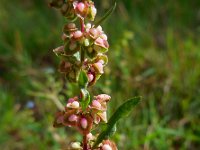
x: 83, y: 79
x: 107, y: 14
x: 85, y: 98
x: 123, y: 111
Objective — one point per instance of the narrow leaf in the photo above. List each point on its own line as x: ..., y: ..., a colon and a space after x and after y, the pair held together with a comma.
x: 85, y: 98
x: 123, y: 111
x: 83, y: 79
x: 107, y: 14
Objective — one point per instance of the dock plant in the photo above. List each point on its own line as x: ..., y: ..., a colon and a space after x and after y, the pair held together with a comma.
x: 82, y: 61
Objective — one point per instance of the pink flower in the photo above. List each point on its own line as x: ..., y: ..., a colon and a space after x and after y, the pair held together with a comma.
x: 90, y: 77
x: 96, y: 104
x: 77, y: 34
x: 73, y: 118
x: 84, y: 123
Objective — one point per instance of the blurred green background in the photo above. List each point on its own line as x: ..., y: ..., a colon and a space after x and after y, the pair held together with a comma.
x: 155, y: 53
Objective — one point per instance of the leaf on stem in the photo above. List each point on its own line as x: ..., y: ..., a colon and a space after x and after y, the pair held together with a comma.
x: 123, y: 111
x: 82, y: 79
x: 85, y: 98
x: 107, y: 14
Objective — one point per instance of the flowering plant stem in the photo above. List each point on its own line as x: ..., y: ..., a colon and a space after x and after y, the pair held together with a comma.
x: 83, y: 60
x: 85, y: 147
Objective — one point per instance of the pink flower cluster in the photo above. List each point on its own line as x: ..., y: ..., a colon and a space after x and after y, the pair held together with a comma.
x: 71, y: 9
x: 83, y: 52
x: 83, y: 120
x: 93, y: 41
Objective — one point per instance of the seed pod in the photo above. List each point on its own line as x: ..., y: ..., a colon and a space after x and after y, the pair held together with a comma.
x: 98, y: 67
x: 70, y: 27
x: 59, y: 51
x: 65, y: 67
x: 58, y: 122
x: 69, y: 118
x: 92, y: 11
x: 101, y: 45
x: 71, y: 47
x: 102, y: 59
x: 67, y: 10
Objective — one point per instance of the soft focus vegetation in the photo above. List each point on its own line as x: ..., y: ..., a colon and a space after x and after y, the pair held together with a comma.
x: 155, y: 53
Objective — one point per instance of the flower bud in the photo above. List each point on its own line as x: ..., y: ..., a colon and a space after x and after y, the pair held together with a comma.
x: 58, y: 51
x: 103, y: 98
x: 73, y: 118
x: 106, y: 147
x: 104, y: 37
x: 77, y: 35
x: 84, y: 123
x: 74, y: 104
x: 58, y: 122
x: 92, y: 12
x: 99, y: 41
x: 99, y: 29
x: 103, y: 116
x: 96, y: 104
x: 101, y: 45
x: 80, y: 7
x: 70, y: 27
x: 90, y: 137
x: 101, y: 61
x: 76, y: 145
x: 94, y: 33
x: 71, y: 100
x: 98, y: 67
x: 90, y: 77
x: 60, y: 119
x: 88, y: 26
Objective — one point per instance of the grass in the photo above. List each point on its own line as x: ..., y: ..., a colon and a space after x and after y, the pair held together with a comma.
x: 154, y: 54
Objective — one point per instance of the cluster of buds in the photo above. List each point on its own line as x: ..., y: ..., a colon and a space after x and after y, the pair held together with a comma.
x: 92, y: 42
x: 105, y: 145
x: 83, y: 50
x: 83, y: 120
x: 75, y: 8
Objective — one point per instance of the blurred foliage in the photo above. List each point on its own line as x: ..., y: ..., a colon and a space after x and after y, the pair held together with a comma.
x: 154, y: 53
